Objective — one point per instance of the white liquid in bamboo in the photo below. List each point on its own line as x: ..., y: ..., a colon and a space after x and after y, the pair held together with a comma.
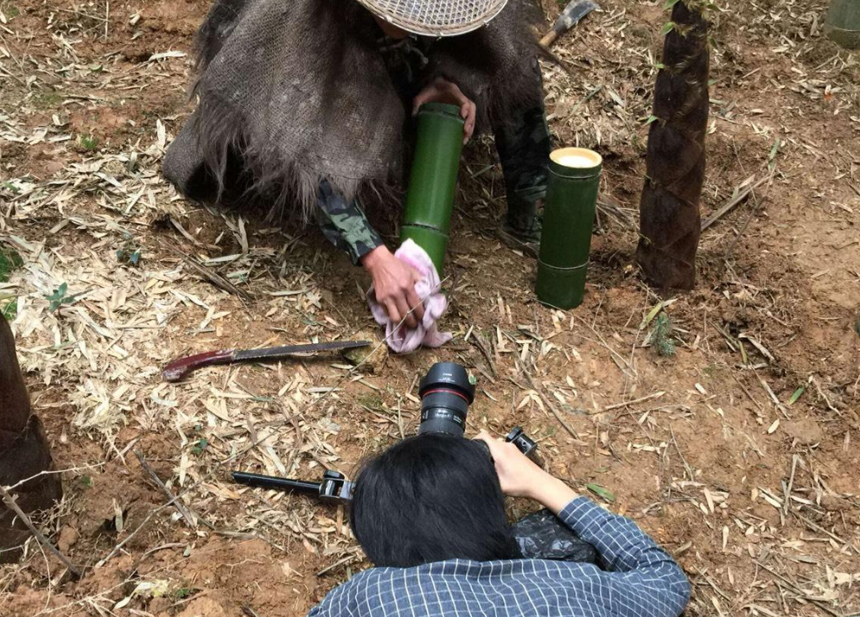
x: 577, y: 158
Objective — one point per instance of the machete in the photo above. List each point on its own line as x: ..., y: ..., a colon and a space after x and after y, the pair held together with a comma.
x: 571, y: 16
x: 178, y: 369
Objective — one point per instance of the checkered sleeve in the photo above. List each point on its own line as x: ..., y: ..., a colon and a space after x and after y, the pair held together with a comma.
x: 646, y: 581
x: 340, y: 602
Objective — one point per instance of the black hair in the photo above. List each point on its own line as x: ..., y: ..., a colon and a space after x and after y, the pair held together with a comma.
x: 431, y: 498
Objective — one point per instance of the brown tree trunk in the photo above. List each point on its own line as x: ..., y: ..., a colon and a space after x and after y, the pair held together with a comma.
x: 24, y: 451
x: 670, y: 223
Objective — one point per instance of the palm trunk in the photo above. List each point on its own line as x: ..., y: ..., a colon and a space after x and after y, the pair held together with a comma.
x: 669, y: 210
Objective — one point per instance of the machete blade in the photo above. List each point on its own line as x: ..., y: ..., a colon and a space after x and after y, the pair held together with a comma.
x: 292, y: 350
x: 573, y: 13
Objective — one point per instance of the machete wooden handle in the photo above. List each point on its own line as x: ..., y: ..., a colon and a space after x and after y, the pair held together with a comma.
x: 178, y: 369
x: 549, y: 39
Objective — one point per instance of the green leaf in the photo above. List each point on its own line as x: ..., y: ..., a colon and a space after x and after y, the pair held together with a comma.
x: 10, y: 310
x: 651, y: 315
x: 797, y: 394
x: 87, y: 481
x: 669, y: 4
x: 60, y: 297
x: 129, y: 255
x: 667, y: 28
x: 664, y: 342
x: 11, y: 188
x: 57, y: 298
x: 198, y: 448
x: 601, y: 492
x: 9, y: 260
x: 88, y: 142
x: 771, y: 158
x: 650, y: 120
x: 774, y: 150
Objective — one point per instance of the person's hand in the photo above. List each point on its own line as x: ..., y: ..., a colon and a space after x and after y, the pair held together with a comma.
x: 442, y: 91
x: 517, y: 473
x: 520, y: 477
x: 394, y: 286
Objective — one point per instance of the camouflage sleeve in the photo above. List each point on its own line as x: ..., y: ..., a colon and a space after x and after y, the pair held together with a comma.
x: 344, y: 224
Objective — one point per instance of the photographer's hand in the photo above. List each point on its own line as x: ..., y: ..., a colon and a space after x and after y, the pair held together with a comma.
x: 520, y: 477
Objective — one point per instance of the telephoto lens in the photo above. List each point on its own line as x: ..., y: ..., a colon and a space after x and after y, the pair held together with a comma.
x: 446, y: 393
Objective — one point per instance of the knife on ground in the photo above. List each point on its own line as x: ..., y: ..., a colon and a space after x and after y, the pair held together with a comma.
x: 570, y: 16
x: 178, y: 369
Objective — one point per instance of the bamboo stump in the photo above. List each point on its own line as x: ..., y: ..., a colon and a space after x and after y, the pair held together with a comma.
x: 24, y: 452
x: 670, y: 222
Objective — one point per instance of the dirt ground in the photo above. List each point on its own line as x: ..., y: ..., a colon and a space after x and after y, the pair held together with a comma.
x: 737, y: 452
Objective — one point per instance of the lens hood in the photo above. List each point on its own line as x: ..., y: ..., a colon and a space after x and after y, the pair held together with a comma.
x: 448, y: 376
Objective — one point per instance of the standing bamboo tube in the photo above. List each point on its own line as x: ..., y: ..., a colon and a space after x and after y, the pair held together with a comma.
x: 842, y: 25
x: 571, y: 198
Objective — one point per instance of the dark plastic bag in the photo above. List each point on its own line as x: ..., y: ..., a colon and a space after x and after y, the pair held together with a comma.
x: 543, y: 536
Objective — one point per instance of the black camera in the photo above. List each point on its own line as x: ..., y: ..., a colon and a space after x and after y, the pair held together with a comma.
x: 446, y: 392
x: 523, y: 442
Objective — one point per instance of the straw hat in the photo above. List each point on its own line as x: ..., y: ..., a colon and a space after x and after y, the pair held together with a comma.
x: 436, y: 17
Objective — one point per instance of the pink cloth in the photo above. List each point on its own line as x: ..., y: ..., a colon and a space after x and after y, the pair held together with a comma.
x: 403, y: 339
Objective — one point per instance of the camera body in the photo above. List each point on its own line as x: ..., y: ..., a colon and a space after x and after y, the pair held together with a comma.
x: 446, y: 392
x: 523, y: 442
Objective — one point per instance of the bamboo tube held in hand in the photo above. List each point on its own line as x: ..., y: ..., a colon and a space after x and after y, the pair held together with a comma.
x: 433, y: 182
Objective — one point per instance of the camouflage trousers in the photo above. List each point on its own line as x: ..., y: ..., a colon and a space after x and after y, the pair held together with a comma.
x: 524, y: 146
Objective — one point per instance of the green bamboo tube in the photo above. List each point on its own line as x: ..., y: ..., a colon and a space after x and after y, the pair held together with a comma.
x: 433, y: 181
x: 842, y: 24
x: 574, y: 179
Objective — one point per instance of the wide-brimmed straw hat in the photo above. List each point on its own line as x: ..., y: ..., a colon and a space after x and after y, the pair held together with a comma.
x: 436, y: 17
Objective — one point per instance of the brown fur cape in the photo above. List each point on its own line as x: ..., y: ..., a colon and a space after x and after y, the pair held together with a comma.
x: 292, y: 93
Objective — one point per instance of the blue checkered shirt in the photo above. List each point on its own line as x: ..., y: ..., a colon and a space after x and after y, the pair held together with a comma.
x: 639, y: 580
